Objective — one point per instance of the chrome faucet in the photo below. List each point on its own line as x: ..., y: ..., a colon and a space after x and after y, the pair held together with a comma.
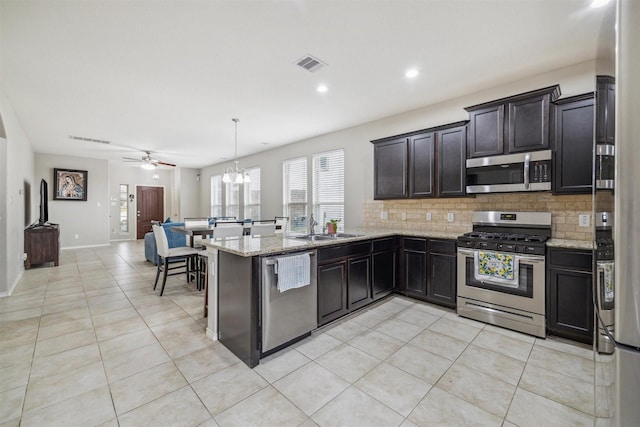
x: 324, y: 223
x: 312, y: 225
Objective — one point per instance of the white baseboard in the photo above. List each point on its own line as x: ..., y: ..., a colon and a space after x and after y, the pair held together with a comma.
x: 212, y: 335
x: 84, y: 247
x: 13, y: 285
x: 131, y: 239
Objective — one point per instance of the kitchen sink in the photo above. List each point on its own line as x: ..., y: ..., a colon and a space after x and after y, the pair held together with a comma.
x: 324, y: 237
x: 346, y: 235
x: 313, y: 238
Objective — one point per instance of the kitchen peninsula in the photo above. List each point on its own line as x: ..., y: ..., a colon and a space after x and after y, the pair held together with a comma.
x: 347, y: 273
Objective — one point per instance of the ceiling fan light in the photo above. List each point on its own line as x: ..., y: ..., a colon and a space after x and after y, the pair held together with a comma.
x: 148, y: 166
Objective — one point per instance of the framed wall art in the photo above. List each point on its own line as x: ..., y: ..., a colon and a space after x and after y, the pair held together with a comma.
x: 70, y: 184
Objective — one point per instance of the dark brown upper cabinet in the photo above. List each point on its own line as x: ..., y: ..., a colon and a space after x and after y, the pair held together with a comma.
x: 605, y: 110
x: 572, y: 136
x: 390, y: 169
x: 522, y: 121
x: 421, y: 165
x: 451, y: 153
x: 427, y: 163
x: 486, y: 134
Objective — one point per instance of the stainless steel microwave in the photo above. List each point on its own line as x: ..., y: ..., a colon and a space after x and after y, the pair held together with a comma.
x: 510, y: 173
x: 605, y: 166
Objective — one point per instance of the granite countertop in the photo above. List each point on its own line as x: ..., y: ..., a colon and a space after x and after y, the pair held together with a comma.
x: 254, y: 245
x: 570, y: 244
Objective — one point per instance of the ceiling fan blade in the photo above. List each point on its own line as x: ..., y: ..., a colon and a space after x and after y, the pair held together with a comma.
x: 164, y: 163
x: 131, y: 159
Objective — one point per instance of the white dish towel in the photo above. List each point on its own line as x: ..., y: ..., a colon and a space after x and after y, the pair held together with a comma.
x: 293, y: 271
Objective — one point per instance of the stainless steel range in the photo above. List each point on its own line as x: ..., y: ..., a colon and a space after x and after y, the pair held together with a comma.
x: 501, y: 270
x: 605, y: 282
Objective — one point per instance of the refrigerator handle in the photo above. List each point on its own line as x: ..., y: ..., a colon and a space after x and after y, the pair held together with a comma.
x: 605, y: 329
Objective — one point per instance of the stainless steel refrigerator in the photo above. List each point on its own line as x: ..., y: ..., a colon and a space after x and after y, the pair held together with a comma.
x: 627, y: 217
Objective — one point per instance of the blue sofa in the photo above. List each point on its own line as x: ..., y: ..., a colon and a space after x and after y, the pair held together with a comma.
x: 175, y: 240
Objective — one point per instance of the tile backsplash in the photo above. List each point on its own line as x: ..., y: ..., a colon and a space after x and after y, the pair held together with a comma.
x: 564, y: 212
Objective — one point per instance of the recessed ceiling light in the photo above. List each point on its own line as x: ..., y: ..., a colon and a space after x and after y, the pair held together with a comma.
x: 322, y: 88
x: 599, y: 3
x: 412, y: 73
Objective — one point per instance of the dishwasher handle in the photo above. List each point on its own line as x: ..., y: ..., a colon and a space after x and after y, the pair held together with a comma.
x: 273, y: 260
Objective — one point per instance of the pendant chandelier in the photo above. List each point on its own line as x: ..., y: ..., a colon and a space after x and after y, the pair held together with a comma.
x: 235, y: 175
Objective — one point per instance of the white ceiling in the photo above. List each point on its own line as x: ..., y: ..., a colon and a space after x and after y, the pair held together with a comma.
x: 168, y: 76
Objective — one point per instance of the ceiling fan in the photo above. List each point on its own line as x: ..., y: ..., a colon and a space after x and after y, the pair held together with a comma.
x: 148, y: 162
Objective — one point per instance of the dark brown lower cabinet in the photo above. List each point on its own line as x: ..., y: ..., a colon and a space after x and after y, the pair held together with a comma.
x: 359, y: 282
x: 344, y: 280
x: 414, y: 267
x: 570, y: 294
x: 441, y: 270
x: 332, y: 291
x: 383, y: 266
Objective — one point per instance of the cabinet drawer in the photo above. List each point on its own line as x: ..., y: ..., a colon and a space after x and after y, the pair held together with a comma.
x: 414, y: 244
x: 442, y: 246
x: 381, y: 245
x: 573, y: 259
x: 343, y: 251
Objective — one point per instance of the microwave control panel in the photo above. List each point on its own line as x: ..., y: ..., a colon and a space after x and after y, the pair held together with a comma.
x: 540, y: 171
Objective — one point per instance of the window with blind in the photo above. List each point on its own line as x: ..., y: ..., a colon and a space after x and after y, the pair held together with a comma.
x: 294, y: 177
x: 328, y: 187
x: 216, y: 195
x: 252, y: 195
x: 232, y: 200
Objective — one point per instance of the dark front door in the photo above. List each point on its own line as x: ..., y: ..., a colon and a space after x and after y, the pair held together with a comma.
x: 150, y: 208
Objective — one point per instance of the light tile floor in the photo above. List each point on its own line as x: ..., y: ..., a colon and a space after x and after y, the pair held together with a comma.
x: 90, y: 343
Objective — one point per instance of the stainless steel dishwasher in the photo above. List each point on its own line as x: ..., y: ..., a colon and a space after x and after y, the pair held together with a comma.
x: 291, y: 314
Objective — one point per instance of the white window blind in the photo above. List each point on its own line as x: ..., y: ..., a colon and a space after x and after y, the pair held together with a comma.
x: 232, y: 200
x: 328, y: 187
x: 216, y: 195
x: 252, y: 195
x: 294, y: 177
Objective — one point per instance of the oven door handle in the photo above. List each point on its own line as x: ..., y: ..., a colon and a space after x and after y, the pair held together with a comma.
x: 530, y: 259
x: 527, y: 259
x: 468, y: 252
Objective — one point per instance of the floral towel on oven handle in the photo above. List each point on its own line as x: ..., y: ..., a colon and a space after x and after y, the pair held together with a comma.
x: 496, y: 267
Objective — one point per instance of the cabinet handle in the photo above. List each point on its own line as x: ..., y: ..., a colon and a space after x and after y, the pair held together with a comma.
x: 527, y: 159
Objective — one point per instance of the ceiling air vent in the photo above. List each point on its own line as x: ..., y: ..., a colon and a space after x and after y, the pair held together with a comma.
x: 82, y: 138
x: 310, y: 63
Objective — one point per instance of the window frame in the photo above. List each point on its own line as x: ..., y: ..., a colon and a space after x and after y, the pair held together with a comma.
x: 295, y: 223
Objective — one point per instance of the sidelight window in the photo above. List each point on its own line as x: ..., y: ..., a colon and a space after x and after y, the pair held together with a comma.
x: 124, y: 208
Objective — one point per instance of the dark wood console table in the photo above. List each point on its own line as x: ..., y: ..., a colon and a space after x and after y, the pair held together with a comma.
x: 41, y: 244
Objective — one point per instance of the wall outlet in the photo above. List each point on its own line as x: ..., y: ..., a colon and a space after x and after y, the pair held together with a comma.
x: 404, y: 216
x: 450, y: 217
x: 76, y: 236
x: 428, y: 216
x: 584, y: 220
x: 384, y: 215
